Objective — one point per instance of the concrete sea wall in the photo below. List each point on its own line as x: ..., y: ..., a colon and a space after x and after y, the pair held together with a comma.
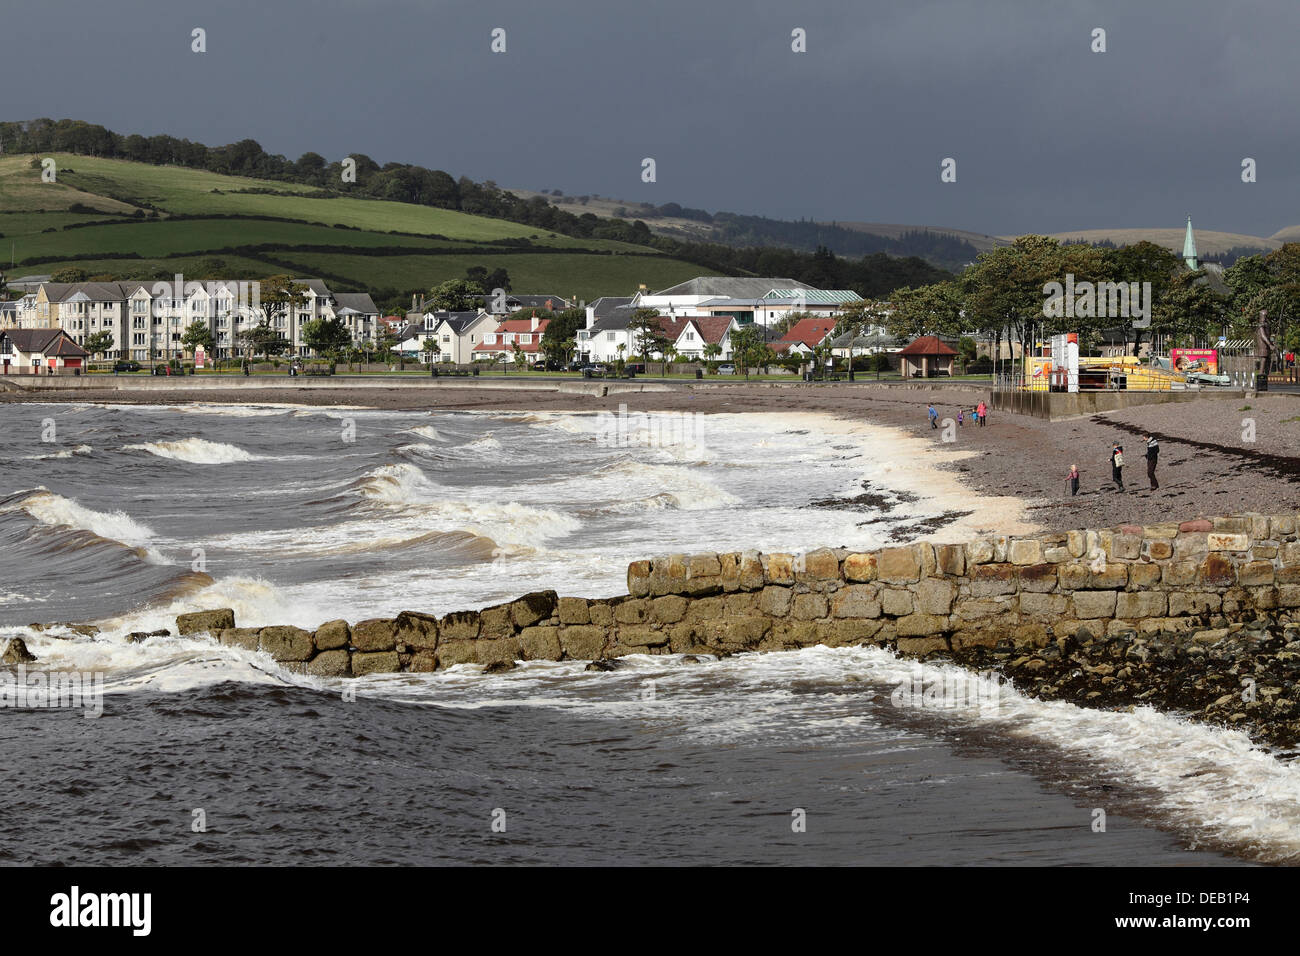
x: 1055, y: 406
x: 1161, y: 582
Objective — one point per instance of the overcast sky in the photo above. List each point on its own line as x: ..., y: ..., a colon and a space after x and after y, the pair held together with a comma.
x: 1047, y: 135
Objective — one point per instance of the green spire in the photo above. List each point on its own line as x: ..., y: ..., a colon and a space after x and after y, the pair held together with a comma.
x: 1189, y: 248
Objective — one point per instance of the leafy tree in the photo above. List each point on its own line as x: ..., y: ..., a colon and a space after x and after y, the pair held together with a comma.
x: 711, y: 353
x: 98, y: 343
x: 562, y: 327
x: 280, y: 295
x: 388, y: 341
x: 488, y: 281
x: 647, y: 334
x: 1189, y: 308
x: 455, y: 295
x: 1140, y: 262
x: 746, y: 345
x: 326, y: 336
x: 262, y: 339
x: 967, y: 350
x: 929, y: 310
x: 197, y: 334
x: 68, y: 274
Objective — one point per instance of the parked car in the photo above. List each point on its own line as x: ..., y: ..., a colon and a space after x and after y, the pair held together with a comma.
x: 727, y: 369
x: 126, y: 367
x: 636, y: 368
x: 596, y: 369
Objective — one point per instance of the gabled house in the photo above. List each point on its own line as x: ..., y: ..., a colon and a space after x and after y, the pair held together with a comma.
x: 455, y: 334
x: 39, y: 352
x: 609, y: 321
x: 698, y: 332
x: 501, y: 342
x: 358, y: 312
x: 804, y: 336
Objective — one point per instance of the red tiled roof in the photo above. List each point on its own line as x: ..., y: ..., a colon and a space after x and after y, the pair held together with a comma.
x: 515, y: 327
x: 810, y: 332
x: 928, y: 345
x: 523, y: 325
x: 672, y: 326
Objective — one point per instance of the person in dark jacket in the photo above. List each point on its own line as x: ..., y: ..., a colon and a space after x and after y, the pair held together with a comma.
x: 1117, y: 466
x: 1153, y: 454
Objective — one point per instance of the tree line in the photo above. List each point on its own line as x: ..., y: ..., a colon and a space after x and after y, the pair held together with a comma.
x: 1002, y: 295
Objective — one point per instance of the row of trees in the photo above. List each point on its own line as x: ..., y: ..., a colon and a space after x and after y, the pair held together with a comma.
x: 1002, y: 295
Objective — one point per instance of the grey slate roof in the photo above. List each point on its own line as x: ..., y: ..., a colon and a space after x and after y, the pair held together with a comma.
x: 357, y: 301
x: 457, y: 320
x: 617, y: 318
x: 731, y: 287
x: 606, y: 305
x: 530, y: 301
x: 315, y: 285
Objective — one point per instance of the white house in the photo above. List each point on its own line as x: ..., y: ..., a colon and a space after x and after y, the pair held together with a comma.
x: 455, y: 334
x: 39, y: 352
x: 694, y: 334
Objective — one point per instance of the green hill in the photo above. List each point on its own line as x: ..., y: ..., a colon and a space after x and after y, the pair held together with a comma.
x: 135, y: 220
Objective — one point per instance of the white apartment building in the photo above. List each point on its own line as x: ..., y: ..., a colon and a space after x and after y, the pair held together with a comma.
x: 148, y: 319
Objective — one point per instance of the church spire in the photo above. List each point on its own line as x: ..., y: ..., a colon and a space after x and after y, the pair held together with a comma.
x: 1189, y: 248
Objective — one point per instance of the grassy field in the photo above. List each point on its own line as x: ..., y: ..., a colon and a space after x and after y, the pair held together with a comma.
x: 584, y: 276
x: 35, y: 218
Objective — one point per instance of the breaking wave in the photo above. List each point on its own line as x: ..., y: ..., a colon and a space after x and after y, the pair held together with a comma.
x: 195, y: 451
x: 116, y: 527
x: 65, y: 453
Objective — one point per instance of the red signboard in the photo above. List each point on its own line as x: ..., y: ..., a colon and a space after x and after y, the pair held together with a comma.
x: 1195, y: 360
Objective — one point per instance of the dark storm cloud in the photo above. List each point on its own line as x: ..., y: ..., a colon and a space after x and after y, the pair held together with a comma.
x: 1047, y: 135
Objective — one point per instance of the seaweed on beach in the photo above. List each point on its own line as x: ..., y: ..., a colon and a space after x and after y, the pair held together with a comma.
x: 908, y: 530
x: 877, y: 501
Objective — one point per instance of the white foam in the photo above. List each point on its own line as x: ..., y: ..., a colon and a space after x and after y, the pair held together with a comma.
x: 58, y: 511
x: 426, y: 431
x: 195, y: 451
x: 65, y: 453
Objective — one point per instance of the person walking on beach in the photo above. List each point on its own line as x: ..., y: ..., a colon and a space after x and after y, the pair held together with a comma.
x: 961, y: 417
x: 1117, y: 466
x: 1153, y: 453
x: 1073, y: 478
x: 982, y: 411
x: 934, y: 418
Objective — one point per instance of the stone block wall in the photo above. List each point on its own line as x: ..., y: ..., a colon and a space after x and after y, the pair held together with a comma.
x: 919, y: 599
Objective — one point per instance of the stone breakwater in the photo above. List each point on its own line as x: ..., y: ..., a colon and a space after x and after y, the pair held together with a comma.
x: 1199, y: 616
